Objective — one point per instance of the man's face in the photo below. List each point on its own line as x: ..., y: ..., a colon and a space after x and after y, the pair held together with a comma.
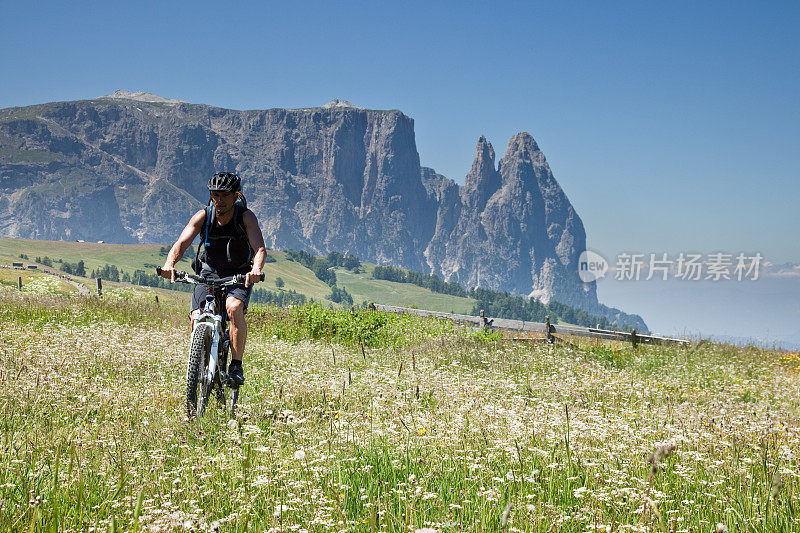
x: 223, y: 201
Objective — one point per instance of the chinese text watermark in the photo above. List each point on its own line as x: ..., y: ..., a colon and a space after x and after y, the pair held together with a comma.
x: 685, y: 266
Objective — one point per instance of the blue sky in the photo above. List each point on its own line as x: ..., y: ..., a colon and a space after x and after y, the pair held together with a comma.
x: 671, y: 126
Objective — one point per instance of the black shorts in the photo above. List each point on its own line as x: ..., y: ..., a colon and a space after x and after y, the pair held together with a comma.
x: 237, y: 291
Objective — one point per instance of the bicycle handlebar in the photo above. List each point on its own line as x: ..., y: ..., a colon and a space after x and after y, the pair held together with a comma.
x: 185, y: 277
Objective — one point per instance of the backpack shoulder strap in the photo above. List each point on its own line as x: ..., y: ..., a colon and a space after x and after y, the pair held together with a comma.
x: 239, y: 210
x: 207, y: 223
x: 238, y: 217
x: 204, y: 234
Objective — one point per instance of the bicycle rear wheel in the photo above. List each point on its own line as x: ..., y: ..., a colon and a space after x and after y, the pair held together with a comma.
x: 199, y: 353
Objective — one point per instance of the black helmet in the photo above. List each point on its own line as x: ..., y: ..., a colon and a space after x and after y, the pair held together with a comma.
x: 225, y: 181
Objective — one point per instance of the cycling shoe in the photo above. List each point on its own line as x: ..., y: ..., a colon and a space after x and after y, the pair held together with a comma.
x: 236, y: 373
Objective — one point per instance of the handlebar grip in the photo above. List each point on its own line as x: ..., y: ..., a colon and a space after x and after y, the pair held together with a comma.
x: 179, y: 274
x: 241, y: 278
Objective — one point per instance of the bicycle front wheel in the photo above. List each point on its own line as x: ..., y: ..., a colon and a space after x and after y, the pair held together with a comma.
x: 199, y: 353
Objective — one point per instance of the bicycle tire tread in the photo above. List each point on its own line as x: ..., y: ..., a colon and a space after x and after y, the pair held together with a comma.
x: 201, y: 338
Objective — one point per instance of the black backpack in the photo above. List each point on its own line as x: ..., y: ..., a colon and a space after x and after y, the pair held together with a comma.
x: 239, y: 207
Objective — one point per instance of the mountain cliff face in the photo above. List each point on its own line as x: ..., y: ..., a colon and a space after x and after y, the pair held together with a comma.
x: 510, y: 225
x: 133, y: 167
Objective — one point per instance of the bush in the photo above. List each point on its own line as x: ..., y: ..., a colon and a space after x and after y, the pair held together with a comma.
x: 486, y: 335
x: 279, y: 282
x: 373, y: 328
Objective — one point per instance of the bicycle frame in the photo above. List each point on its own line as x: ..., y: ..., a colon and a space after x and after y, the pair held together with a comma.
x: 209, y: 315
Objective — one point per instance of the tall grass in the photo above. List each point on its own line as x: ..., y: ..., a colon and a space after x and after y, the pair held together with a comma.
x: 356, y: 326
x: 427, y: 426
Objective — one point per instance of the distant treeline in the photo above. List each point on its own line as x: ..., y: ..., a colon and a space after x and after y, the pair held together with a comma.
x: 139, y: 277
x: 322, y: 267
x: 111, y: 273
x: 505, y: 305
x: 75, y: 269
x: 579, y: 317
x: 496, y: 303
x: 427, y: 281
x: 280, y: 298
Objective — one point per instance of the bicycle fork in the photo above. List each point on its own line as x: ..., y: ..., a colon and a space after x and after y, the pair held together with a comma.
x: 212, y: 359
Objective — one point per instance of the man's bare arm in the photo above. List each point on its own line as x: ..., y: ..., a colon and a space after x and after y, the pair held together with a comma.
x: 187, y: 236
x: 256, y: 239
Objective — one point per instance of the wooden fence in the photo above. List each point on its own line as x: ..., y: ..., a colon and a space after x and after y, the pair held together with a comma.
x: 546, y: 328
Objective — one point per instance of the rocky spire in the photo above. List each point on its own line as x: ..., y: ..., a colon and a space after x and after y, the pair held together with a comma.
x: 483, y: 180
x: 522, y: 150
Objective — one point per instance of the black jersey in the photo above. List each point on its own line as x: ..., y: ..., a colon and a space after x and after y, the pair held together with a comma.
x: 227, y: 249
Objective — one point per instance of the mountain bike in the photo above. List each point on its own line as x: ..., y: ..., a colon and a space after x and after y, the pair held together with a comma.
x: 209, y: 346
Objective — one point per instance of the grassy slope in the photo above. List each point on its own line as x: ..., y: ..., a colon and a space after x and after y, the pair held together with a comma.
x: 10, y: 278
x: 130, y: 257
x: 295, y: 276
x: 363, y: 287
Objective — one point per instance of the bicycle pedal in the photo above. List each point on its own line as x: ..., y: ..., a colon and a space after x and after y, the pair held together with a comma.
x: 227, y: 381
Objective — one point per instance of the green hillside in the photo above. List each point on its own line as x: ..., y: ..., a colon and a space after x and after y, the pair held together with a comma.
x: 300, y: 273
x: 363, y: 287
x: 127, y: 257
x: 131, y: 257
x: 296, y: 277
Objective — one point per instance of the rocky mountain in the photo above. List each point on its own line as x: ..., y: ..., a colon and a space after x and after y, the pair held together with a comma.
x: 133, y: 167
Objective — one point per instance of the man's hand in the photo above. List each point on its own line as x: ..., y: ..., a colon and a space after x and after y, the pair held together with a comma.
x: 168, y: 272
x: 253, y: 277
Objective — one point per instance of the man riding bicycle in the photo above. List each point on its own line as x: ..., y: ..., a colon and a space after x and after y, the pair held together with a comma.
x: 233, y: 244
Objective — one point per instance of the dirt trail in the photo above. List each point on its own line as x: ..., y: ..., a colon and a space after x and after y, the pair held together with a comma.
x: 82, y: 289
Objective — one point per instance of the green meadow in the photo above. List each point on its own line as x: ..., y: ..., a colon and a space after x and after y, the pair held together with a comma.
x: 428, y: 427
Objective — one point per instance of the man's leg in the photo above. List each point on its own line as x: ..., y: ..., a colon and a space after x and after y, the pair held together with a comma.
x: 238, y: 328
x: 196, y: 302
